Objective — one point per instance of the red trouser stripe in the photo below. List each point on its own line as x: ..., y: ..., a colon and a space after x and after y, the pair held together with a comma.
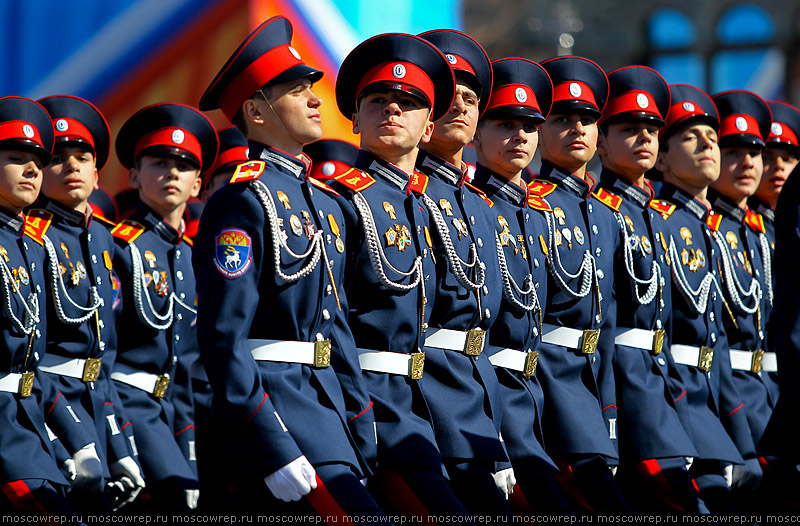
x: 403, y: 498
x: 23, y: 499
x: 654, y: 475
x: 566, y: 481
x: 325, y: 505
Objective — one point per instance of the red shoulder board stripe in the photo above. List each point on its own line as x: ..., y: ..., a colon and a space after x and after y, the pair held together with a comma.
x: 355, y: 180
x: 713, y: 221
x: 37, y: 221
x: 541, y: 188
x: 323, y: 186
x: 127, y: 230
x: 480, y: 193
x: 755, y: 221
x: 248, y: 171
x: 103, y: 219
x: 607, y: 198
x: 418, y: 182
x: 538, y: 203
x: 188, y: 241
x: 665, y: 208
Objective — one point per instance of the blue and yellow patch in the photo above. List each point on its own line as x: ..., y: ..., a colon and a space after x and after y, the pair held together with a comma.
x: 232, y: 254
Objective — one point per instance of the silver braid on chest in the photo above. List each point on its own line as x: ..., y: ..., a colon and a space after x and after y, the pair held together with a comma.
x: 31, y: 305
x: 766, y: 259
x: 697, y: 299
x: 159, y: 322
x: 585, y: 271
x: 732, y: 284
x: 59, y: 289
x: 655, y: 271
x: 527, y: 291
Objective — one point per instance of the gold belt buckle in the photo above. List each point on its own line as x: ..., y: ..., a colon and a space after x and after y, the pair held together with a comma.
x: 322, y: 353
x: 758, y: 356
x: 26, y: 385
x: 91, y: 369
x: 161, y: 386
x: 475, y: 339
x: 415, y: 365
x: 658, y: 341
x: 706, y: 358
x: 531, y: 361
x: 589, y: 341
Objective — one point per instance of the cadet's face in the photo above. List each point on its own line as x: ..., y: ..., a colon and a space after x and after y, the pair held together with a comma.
x: 392, y: 122
x: 20, y: 179
x: 778, y: 164
x: 568, y: 140
x: 164, y: 183
x: 740, y: 173
x: 692, y: 157
x: 629, y: 148
x: 456, y: 129
x: 298, y: 108
x: 71, y: 177
x: 506, y: 146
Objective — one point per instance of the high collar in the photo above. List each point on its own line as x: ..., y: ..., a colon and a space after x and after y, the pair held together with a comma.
x: 498, y: 186
x: 680, y: 197
x: 382, y: 168
x: 726, y: 207
x: 631, y: 192
x: 566, y: 180
x: 282, y: 161
x: 434, y: 166
x: 761, y: 207
x: 14, y: 222
x: 145, y: 215
x: 66, y: 214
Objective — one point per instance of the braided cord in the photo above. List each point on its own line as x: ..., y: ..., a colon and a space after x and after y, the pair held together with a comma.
x: 163, y: 321
x: 58, y: 288
x: 31, y: 306
x: 585, y: 271
x: 732, y: 283
x: 766, y: 259
x: 697, y: 299
x: 510, y: 285
x: 651, y: 282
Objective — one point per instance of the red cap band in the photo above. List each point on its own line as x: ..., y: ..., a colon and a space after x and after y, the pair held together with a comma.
x: 574, y: 90
x: 171, y: 137
x: 681, y: 111
x: 457, y: 62
x: 780, y: 132
x: 255, y: 75
x: 741, y: 123
x: 513, y: 95
x: 20, y: 130
x: 66, y: 128
x: 632, y: 101
x: 404, y: 74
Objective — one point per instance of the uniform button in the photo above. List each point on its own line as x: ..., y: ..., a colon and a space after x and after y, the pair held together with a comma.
x: 33, y: 266
x: 94, y: 258
x: 424, y: 252
x: 535, y: 263
x: 427, y: 277
x: 102, y: 346
x: 711, y: 316
x: 594, y: 359
x: 179, y: 275
x: 177, y: 254
x: 713, y: 338
x: 179, y: 316
x: 535, y: 331
x: 319, y: 336
x: 600, y: 273
x: 328, y: 290
x: 597, y: 318
x: 485, y: 290
x: 536, y: 286
x: 757, y: 273
x: 530, y: 240
x: 174, y: 359
x: 25, y: 245
x: 182, y: 295
x: 38, y: 333
x: 594, y: 229
x: 419, y: 230
x: 99, y: 281
x: 472, y: 219
x: 329, y: 239
x: 527, y: 216
x: 177, y: 337
x: 480, y: 242
x: 321, y: 213
x: 597, y: 251
x: 651, y: 217
x: 38, y: 288
x: 102, y: 324
x: 714, y: 296
x: 463, y: 198
x: 661, y: 361
x: 326, y: 314
x: 590, y: 208
x: 761, y: 334
x: 331, y: 263
x: 88, y: 237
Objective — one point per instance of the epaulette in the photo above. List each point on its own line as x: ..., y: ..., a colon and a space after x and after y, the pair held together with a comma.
x: 538, y: 203
x: 37, y: 221
x: 713, y: 220
x: 322, y: 186
x: 480, y: 193
x: 188, y: 240
x: 102, y: 219
x: 607, y: 198
x: 665, y: 208
x: 355, y: 180
x: 541, y: 188
x: 127, y: 230
x: 248, y: 171
x: 418, y: 182
x: 755, y: 221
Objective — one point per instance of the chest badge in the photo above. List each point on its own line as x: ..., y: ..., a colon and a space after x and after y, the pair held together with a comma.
x: 284, y: 199
x: 399, y: 236
x: 389, y: 209
x: 296, y: 225
x: 336, y: 232
x: 629, y: 222
x: 445, y: 205
x: 150, y: 258
x: 559, y: 215
x: 732, y: 240
x: 686, y: 235
x: 4, y: 253
x: 579, y: 235
x: 65, y: 249
x: 648, y: 248
x: 461, y: 227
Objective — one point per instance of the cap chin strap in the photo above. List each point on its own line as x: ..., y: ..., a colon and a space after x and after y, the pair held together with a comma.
x: 288, y: 133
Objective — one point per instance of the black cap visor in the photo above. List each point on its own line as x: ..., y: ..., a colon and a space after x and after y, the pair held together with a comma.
x: 514, y: 112
x: 27, y: 146
x: 168, y: 151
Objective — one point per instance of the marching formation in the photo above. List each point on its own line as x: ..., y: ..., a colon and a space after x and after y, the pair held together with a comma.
x: 391, y: 331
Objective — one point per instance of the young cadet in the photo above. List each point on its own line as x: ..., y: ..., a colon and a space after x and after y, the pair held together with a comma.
x: 459, y: 383
x: 689, y: 160
x: 232, y: 152
x: 394, y: 87
x: 746, y: 261
x: 272, y: 311
x: 577, y: 331
x: 652, y: 441
x: 505, y: 143
x: 164, y: 147
x: 330, y: 157
x: 82, y: 290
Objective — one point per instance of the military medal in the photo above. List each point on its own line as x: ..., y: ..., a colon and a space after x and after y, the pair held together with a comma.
x: 62, y: 267
x: 559, y: 214
x: 694, y: 264
x: 648, y: 248
x: 559, y: 238
x: 461, y: 227
x: 284, y: 199
x: 701, y: 258
x: 522, y: 247
x: 81, y: 269
x: 336, y: 232
x: 309, y: 225
x: 162, y: 289
x: 685, y: 256
x: 445, y: 205
x: 579, y: 235
x: 568, y: 236
x: 686, y: 234
x: 732, y: 240
x: 297, y: 226
x: 150, y: 258
x: 740, y: 257
x: 429, y: 241
x: 23, y: 276
x: 391, y: 237
x: 15, y: 278
x: 64, y: 248
x: 108, y: 264
x: 629, y: 222
x: 404, y: 239
x: 389, y: 209
x: 74, y: 276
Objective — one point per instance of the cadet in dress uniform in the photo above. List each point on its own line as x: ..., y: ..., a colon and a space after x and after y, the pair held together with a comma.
x: 460, y: 384
x: 689, y: 161
x: 30, y: 479
x: 82, y: 290
x: 394, y: 87
x: 505, y: 144
x: 164, y: 147
x: 653, y: 442
x: 330, y: 158
x: 273, y: 315
x: 577, y: 342
x: 233, y: 151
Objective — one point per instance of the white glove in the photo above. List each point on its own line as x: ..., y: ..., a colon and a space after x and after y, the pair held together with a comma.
x: 728, y: 473
x: 505, y: 481
x: 126, y: 482
x: 192, y: 496
x: 689, y: 462
x: 747, y: 476
x: 292, y: 481
x: 613, y: 470
x: 68, y: 470
x: 88, y: 469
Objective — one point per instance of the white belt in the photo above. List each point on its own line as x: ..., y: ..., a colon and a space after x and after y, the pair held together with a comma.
x: 700, y: 357
x: 469, y: 342
x: 582, y: 340
x: 410, y: 365
x: 155, y: 384
x: 753, y: 361
x: 17, y: 383
x: 641, y: 339
x: 87, y: 370
x: 316, y: 353
x: 524, y: 362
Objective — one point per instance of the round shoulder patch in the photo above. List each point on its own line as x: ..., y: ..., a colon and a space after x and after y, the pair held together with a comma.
x: 232, y: 252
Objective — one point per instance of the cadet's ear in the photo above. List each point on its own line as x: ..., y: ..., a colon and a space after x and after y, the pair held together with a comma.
x: 251, y: 110
x: 96, y: 185
x: 427, y: 133
x: 661, y: 163
x: 601, y: 145
x: 196, y: 185
x: 133, y: 178
x: 356, y: 129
